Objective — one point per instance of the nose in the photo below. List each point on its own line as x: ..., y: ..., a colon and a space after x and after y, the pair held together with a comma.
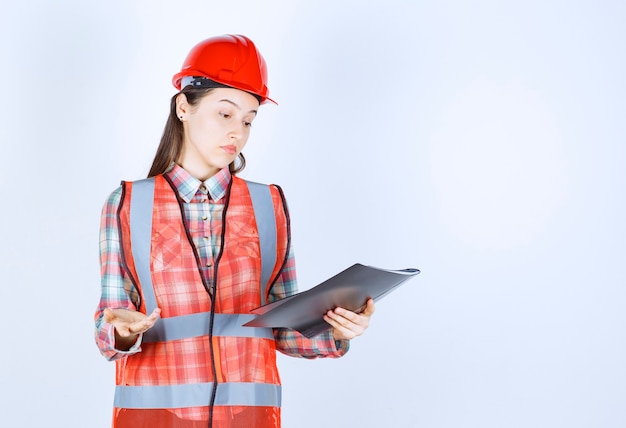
x: 236, y: 131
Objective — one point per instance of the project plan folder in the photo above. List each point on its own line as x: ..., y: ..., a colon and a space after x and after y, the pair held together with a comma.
x: 348, y: 289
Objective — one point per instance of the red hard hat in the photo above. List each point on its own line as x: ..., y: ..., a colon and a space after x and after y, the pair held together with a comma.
x: 231, y: 60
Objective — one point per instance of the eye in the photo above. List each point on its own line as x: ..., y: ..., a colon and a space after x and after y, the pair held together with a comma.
x: 247, y: 124
x: 225, y: 115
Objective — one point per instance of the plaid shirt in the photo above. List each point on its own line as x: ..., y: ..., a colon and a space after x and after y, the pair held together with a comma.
x: 202, y: 200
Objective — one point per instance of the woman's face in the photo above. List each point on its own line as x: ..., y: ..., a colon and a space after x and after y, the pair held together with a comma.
x: 215, y: 130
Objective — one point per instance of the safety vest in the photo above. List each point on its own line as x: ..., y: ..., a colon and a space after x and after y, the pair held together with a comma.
x: 198, y: 363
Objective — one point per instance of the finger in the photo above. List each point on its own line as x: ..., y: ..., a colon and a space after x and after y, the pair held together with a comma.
x: 129, y: 316
x: 349, y: 322
x: 339, y: 313
x: 141, y: 326
x: 146, y: 323
x: 122, y: 315
x: 343, y: 332
x: 126, y: 322
x: 337, y: 326
x: 369, y: 308
x: 152, y: 318
x: 156, y: 313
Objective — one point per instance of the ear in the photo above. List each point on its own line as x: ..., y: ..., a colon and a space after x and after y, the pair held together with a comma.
x: 182, y: 106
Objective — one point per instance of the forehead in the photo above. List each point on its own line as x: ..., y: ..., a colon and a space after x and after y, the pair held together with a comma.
x: 239, y: 99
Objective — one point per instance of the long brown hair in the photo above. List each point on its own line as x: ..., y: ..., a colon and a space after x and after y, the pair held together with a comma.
x: 171, y: 143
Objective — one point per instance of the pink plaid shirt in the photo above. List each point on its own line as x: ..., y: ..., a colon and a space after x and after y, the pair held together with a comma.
x: 202, y: 201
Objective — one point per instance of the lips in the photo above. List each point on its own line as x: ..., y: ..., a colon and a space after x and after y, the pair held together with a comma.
x: 230, y: 149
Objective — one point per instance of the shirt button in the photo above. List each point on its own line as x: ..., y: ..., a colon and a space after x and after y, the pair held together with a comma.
x: 204, y: 218
x: 203, y: 188
x: 206, y: 237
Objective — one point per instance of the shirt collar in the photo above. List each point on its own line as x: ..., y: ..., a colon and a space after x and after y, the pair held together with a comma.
x: 188, y: 185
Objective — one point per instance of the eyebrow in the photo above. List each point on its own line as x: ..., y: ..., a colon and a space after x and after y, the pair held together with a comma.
x: 236, y: 105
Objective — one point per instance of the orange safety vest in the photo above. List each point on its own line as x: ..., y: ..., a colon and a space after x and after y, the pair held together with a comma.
x: 198, y: 366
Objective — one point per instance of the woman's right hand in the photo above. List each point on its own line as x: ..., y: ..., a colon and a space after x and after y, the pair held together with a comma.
x: 129, y: 325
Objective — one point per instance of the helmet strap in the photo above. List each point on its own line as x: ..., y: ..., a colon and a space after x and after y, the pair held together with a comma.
x: 201, y: 82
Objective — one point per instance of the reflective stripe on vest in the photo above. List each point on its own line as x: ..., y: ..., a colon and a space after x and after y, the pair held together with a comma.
x: 198, y: 394
x: 266, y: 225
x: 194, y: 325
x: 142, y: 200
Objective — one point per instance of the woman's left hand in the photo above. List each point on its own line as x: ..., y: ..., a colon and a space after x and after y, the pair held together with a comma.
x: 347, y: 324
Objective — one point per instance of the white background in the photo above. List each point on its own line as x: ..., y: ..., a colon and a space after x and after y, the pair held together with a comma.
x: 480, y: 141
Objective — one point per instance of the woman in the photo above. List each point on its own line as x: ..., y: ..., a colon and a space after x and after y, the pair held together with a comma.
x: 183, y: 263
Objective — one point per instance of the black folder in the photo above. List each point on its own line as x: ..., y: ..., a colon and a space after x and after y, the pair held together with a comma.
x: 349, y: 289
